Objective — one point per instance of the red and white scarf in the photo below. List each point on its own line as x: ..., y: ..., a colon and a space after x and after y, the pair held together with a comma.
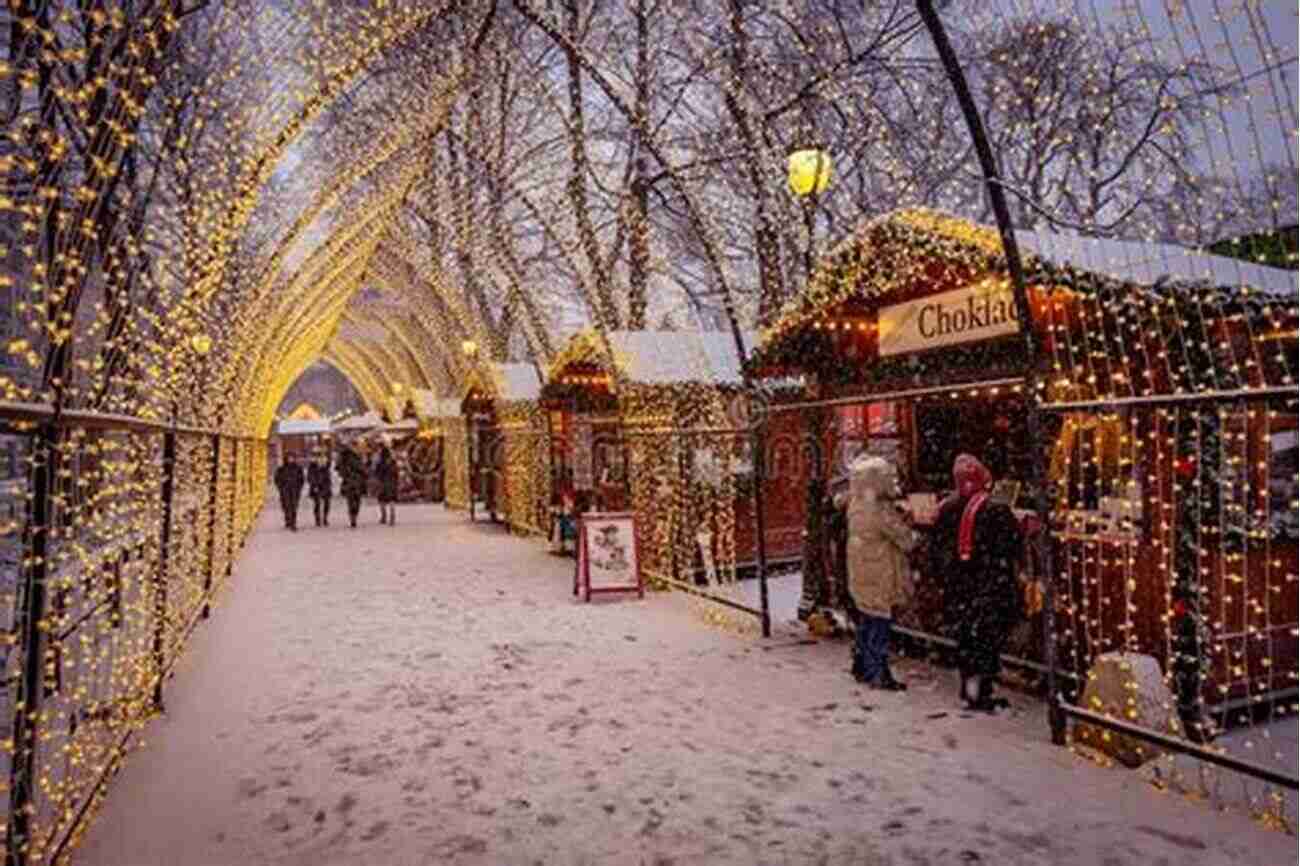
x: 972, y: 479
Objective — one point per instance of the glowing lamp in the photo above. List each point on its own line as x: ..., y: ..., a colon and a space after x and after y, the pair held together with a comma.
x: 810, y: 171
x: 201, y: 344
x: 469, y: 347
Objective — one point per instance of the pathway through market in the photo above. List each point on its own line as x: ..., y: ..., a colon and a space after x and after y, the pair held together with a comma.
x: 432, y: 693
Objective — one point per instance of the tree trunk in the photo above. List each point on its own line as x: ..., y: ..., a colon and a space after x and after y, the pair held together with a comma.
x: 607, y: 313
x: 639, y: 242
x: 766, y: 238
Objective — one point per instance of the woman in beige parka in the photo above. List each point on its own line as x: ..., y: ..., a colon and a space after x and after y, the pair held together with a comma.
x: 879, y: 574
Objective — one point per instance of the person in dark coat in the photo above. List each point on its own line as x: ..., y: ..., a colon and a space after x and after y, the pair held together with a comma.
x: 976, y: 548
x: 320, y: 485
x: 289, y: 480
x: 353, y: 487
x: 386, y: 475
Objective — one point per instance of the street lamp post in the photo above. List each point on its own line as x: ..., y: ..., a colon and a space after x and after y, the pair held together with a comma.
x: 809, y: 176
x: 469, y: 349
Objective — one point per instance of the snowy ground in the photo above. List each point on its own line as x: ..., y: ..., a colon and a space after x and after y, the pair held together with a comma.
x: 1276, y: 744
x: 431, y: 693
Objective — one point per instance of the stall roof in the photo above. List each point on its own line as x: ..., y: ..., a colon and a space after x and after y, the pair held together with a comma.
x: 666, y: 357
x: 402, y: 425
x: 662, y: 357
x: 303, y: 426
x: 429, y: 405
x: 368, y: 421
x: 1141, y: 263
x: 1049, y: 257
x: 506, y: 382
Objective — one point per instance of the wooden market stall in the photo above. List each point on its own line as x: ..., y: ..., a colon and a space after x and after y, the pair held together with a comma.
x: 656, y: 422
x: 428, y: 457
x: 507, y: 461
x: 301, y: 437
x: 357, y: 425
x: 402, y: 438
x: 1169, y: 402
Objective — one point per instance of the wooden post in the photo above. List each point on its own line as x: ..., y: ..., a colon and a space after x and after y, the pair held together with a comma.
x: 22, y: 775
x: 164, y: 553
x: 213, y: 493
x: 758, y: 443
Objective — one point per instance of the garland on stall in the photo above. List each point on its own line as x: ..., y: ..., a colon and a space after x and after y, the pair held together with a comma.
x: 894, y: 254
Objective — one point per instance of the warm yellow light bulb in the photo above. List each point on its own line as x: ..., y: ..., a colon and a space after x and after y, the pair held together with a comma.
x: 809, y: 171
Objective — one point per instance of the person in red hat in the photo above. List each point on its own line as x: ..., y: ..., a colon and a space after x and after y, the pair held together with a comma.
x: 976, y: 548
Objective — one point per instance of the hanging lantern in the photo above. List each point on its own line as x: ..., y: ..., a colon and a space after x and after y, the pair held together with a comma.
x: 201, y: 344
x: 810, y: 171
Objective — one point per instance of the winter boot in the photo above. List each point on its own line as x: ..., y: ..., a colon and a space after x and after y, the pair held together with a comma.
x: 986, y: 702
x: 889, y: 684
x: 968, y: 691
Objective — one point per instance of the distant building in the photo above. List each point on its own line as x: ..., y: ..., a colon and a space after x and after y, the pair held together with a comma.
x: 327, y: 391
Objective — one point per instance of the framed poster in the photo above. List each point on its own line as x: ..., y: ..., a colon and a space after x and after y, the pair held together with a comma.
x: 583, y: 457
x: 607, y: 554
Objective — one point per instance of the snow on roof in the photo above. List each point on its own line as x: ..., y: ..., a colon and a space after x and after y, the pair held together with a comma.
x: 879, y: 258
x: 505, y: 382
x: 665, y: 357
x: 429, y: 405
x: 1144, y: 263
x: 302, y: 426
x: 368, y: 421
x: 518, y: 382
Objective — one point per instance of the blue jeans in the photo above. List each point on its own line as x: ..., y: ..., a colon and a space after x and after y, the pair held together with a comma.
x: 871, y: 646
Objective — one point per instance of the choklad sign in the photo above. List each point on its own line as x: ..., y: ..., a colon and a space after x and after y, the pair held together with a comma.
x: 977, y: 312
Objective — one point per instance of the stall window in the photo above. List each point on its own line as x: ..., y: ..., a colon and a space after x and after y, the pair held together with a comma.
x: 993, y: 429
x: 1283, y: 486
x: 9, y: 460
x: 1093, y: 475
x: 867, y: 429
x: 610, y: 467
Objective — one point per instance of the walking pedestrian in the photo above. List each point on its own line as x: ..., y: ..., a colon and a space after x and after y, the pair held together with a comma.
x: 353, y: 487
x: 320, y: 484
x: 289, y: 481
x: 976, y: 548
x: 879, y: 541
x: 386, y: 474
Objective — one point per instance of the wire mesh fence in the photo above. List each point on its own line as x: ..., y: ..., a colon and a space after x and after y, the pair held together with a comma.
x: 117, y: 538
